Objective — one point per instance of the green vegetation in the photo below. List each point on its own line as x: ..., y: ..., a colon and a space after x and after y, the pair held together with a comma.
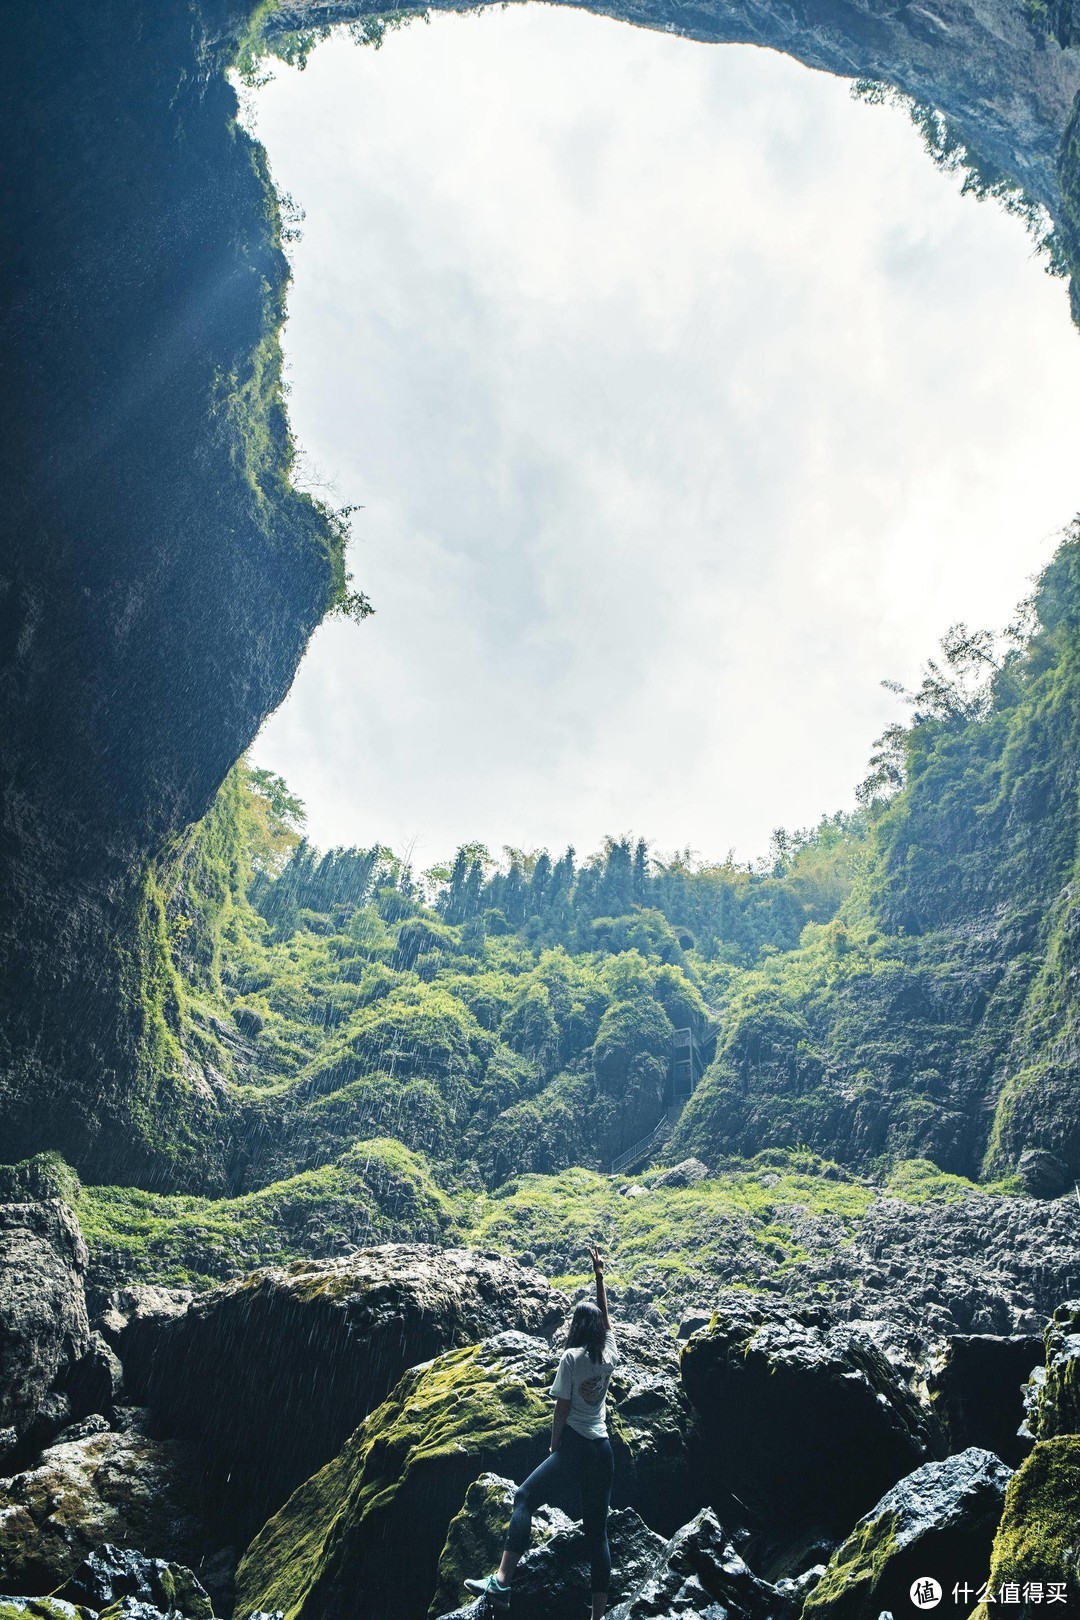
x: 373, y: 1192
x: 883, y: 1004
x: 1037, y: 1537
x: 855, y: 1570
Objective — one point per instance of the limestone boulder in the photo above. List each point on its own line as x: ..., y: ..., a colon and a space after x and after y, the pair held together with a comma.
x: 805, y: 1422
x: 120, y: 1488
x: 381, y: 1529
x: 476, y: 1534
x: 43, y: 1325
x: 271, y: 1374
x: 939, y: 1521
x: 553, y: 1581
x: 1053, y: 1395
x: 112, y: 1576
x: 364, y: 1535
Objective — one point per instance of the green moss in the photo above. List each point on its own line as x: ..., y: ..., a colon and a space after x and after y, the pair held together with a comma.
x: 1039, y: 1535
x: 917, y: 1181
x: 376, y: 1191
x: 46, y: 1175
x: 474, y: 1540
x: 367, y: 1530
x: 855, y: 1570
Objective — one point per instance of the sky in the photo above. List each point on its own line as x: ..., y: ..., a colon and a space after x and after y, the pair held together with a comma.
x: 685, y: 401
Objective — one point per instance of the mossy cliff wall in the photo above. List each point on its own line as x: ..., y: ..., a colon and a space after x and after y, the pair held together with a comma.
x: 160, y: 577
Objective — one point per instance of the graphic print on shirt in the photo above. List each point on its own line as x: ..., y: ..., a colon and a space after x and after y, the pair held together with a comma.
x: 592, y: 1390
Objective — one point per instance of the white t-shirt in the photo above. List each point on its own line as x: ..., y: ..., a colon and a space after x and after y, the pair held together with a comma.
x: 584, y: 1383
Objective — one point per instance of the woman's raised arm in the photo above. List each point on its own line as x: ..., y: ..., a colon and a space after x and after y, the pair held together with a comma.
x: 601, y: 1292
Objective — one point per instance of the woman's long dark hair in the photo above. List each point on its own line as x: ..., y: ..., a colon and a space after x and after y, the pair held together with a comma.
x: 588, y: 1330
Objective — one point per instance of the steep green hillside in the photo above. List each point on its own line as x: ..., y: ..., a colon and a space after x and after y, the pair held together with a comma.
x: 934, y: 1016
x: 893, y: 985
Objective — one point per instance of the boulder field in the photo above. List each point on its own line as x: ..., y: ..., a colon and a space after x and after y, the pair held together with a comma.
x: 340, y: 1438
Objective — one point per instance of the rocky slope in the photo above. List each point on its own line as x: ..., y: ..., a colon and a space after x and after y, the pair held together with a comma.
x: 797, y: 1462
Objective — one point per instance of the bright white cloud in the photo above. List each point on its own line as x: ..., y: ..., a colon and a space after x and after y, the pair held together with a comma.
x: 685, y: 399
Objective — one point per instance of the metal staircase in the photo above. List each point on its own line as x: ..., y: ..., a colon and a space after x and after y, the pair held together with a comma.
x: 687, y: 1066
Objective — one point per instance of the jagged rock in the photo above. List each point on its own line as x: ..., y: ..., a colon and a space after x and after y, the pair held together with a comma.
x: 110, y: 1487
x: 97, y: 1378
x: 654, y: 1431
x: 1038, y: 1538
x: 700, y: 1572
x: 94, y: 1424
x: 939, y: 1521
x: 364, y: 1534
x: 805, y: 1421
x: 1053, y: 1393
x: 319, y: 1344
x: 43, y: 1325
x: 1043, y: 1174
x: 683, y: 1174
x: 977, y: 1383
x: 112, y: 1574
x: 475, y: 1538
x: 552, y: 1580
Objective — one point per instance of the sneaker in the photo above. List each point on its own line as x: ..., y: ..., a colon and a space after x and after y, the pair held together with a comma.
x: 491, y: 1588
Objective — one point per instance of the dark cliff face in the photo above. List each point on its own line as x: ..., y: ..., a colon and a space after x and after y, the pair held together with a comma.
x: 160, y: 578
x: 1005, y: 81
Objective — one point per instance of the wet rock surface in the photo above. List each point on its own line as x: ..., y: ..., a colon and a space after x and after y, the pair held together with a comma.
x: 43, y: 1325
x: 119, y: 1488
x: 939, y: 1520
x: 805, y: 1421
x: 700, y: 1573
x: 977, y: 1382
x: 112, y: 1575
x: 553, y: 1581
x: 317, y: 1344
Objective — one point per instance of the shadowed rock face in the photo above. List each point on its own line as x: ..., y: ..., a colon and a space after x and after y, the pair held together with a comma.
x: 43, y: 1326
x: 160, y: 577
x: 940, y: 1520
x: 804, y: 1421
x: 318, y: 1345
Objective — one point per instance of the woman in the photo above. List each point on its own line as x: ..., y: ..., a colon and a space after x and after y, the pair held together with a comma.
x: 580, y: 1449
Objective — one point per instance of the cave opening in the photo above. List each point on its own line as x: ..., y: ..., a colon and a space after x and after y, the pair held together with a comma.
x: 685, y: 400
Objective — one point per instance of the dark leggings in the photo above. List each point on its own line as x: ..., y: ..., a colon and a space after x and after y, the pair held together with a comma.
x: 590, y: 1465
